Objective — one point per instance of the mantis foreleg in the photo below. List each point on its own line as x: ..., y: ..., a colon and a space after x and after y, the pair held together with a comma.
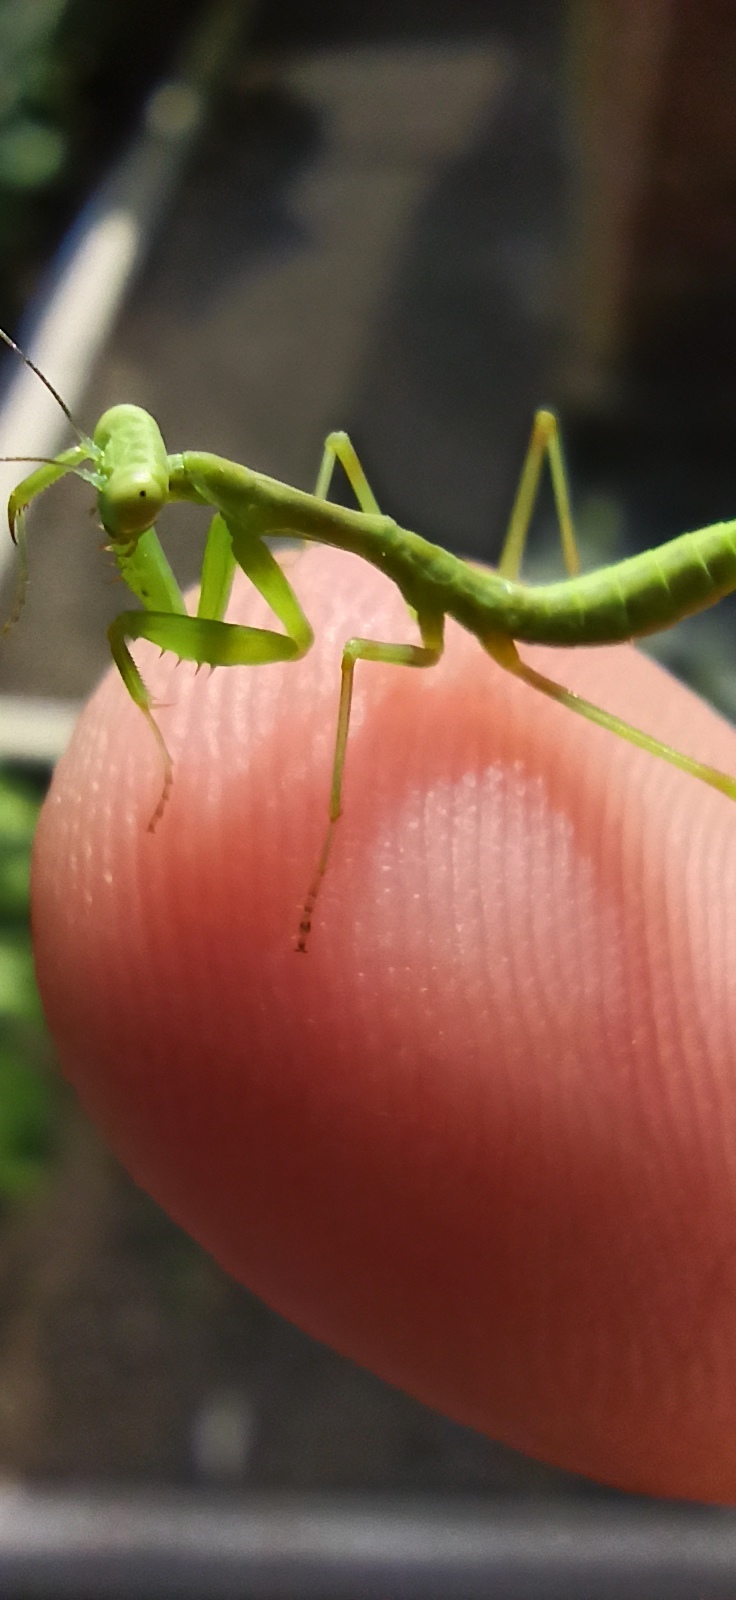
x: 218, y: 570
x: 69, y: 461
x: 47, y: 474
x: 21, y: 580
x: 205, y: 638
x: 146, y: 571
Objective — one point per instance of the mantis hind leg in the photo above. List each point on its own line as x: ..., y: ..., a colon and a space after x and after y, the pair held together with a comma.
x: 431, y: 628
x: 505, y: 653
x: 544, y: 441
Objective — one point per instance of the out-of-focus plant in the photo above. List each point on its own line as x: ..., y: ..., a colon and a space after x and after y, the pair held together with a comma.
x: 32, y: 146
x: 25, y: 1087
x: 72, y: 73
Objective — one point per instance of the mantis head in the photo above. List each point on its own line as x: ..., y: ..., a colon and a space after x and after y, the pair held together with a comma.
x: 131, y: 472
x: 129, y: 503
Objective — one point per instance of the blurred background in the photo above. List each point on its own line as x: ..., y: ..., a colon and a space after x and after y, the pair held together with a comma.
x: 416, y: 221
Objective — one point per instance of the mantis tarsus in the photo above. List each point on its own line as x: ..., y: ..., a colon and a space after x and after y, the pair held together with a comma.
x: 134, y: 477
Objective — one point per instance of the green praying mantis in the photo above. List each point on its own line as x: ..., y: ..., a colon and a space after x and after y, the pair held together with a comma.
x: 127, y: 464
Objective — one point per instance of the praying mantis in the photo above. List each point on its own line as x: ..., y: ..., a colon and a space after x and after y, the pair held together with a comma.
x: 133, y: 475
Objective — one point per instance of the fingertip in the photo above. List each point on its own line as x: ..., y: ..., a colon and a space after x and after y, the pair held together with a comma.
x: 479, y: 1137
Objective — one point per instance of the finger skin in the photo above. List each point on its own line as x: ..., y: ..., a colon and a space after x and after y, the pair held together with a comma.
x: 482, y: 1137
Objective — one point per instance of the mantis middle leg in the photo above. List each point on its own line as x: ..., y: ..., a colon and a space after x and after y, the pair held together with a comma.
x: 338, y: 447
x: 544, y: 441
x: 431, y: 628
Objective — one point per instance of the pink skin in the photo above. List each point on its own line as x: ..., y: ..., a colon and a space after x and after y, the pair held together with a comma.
x: 482, y: 1138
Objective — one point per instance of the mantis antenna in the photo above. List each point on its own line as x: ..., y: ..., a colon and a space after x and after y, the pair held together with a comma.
x: 47, y: 385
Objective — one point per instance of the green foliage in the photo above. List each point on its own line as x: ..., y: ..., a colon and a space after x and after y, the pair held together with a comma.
x: 33, y: 147
x: 26, y: 1095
